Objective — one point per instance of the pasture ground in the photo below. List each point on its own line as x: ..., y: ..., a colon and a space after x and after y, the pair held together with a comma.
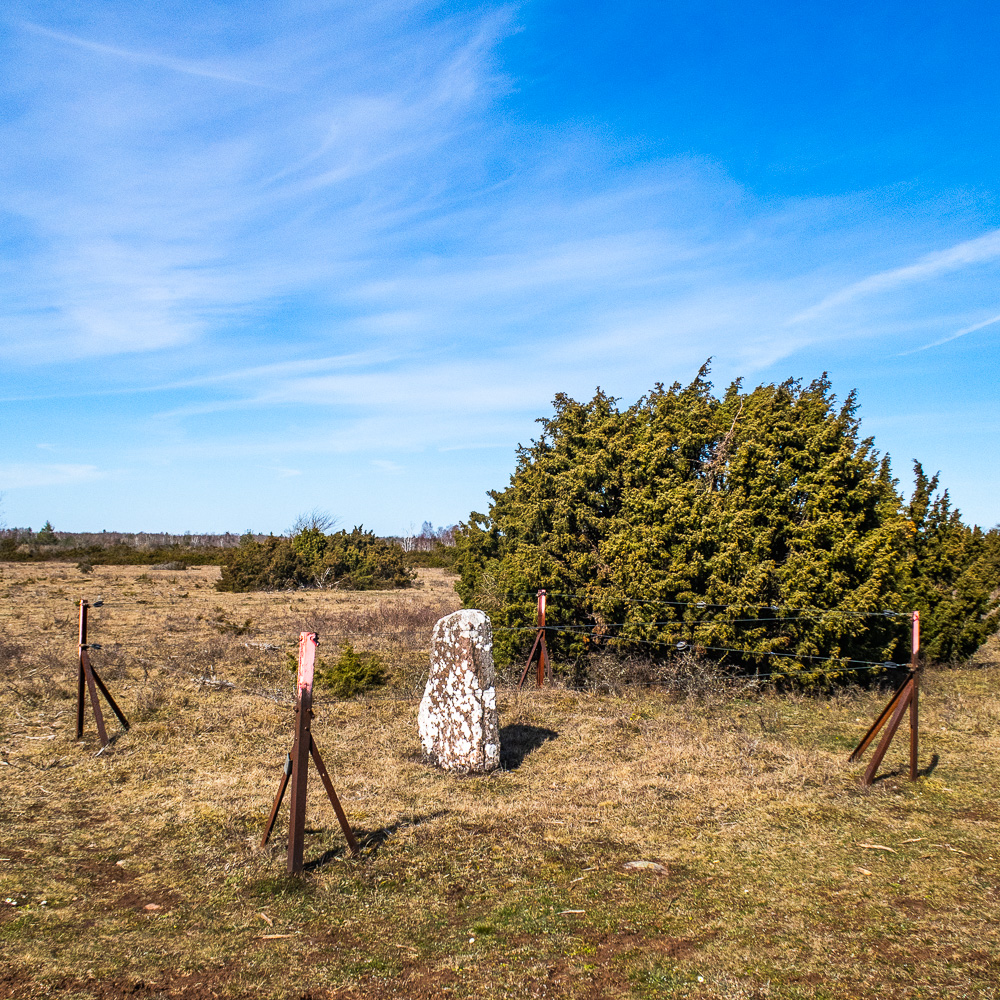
x: 770, y: 871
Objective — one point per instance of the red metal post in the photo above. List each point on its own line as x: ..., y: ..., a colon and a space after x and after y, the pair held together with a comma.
x: 914, y: 710
x: 86, y: 677
x: 906, y: 696
x: 89, y: 681
x: 300, y: 750
x: 81, y: 681
x: 543, y: 668
x: 543, y: 658
x: 297, y: 765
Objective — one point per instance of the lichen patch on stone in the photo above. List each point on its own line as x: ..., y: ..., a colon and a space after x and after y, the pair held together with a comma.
x: 458, y: 723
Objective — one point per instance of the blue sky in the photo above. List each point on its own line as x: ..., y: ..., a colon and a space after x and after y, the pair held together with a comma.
x: 257, y: 260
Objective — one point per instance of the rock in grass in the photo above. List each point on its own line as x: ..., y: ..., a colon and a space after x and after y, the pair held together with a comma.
x: 652, y: 866
x: 458, y: 721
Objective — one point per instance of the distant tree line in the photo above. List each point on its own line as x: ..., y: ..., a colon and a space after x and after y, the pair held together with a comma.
x: 759, y: 521
x: 118, y: 548
x: 431, y: 547
x: 310, y: 555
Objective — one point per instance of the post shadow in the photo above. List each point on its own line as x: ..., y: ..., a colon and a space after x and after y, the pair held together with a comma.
x: 901, y: 770
x: 370, y: 841
x: 926, y: 772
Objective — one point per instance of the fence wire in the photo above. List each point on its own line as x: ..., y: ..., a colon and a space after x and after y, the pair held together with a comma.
x: 179, y: 637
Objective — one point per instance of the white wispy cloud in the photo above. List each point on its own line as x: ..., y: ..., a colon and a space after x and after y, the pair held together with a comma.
x: 163, y: 214
x: 147, y: 58
x: 932, y: 265
x: 379, y: 187
x: 325, y: 235
x: 954, y: 336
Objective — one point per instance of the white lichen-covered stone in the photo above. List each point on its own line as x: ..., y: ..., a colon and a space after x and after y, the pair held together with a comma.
x: 458, y: 721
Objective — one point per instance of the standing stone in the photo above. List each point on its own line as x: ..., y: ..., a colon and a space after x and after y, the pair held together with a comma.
x: 458, y: 721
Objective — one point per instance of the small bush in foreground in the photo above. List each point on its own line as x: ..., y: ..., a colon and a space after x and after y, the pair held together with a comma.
x: 352, y: 673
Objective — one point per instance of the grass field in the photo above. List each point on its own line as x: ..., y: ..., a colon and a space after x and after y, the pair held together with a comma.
x: 767, y: 870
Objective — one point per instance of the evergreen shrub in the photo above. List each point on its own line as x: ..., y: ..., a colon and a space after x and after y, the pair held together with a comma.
x: 759, y: 521
x: 351, y: 673
x: 441, y: 556
x: 355, y: 560
x: 46, y: 535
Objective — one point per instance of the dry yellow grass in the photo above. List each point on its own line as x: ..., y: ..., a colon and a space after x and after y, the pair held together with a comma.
x: 758, y: 883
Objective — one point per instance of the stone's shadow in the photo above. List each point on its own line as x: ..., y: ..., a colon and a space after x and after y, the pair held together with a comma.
x: 516, y: 742
x: 370, y: 840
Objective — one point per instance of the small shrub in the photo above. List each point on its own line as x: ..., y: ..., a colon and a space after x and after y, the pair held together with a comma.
x: 353, y: 561
x: 268, y: 565
x: 351, y: 673
x: 85, y: 567
x: 229, y: 626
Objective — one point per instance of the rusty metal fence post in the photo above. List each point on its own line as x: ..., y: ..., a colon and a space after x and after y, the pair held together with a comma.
x: 89, y: 682
x: 300, y: 749
x: 296, y: 770
x: 905, y: 696
x: 914, y: 697
x: 539, y: 651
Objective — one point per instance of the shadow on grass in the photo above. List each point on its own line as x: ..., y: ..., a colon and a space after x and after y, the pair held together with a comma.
x: 899, y: 772
x: 926, y: 772
x: 371, y: 840
x: 516, y: 742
